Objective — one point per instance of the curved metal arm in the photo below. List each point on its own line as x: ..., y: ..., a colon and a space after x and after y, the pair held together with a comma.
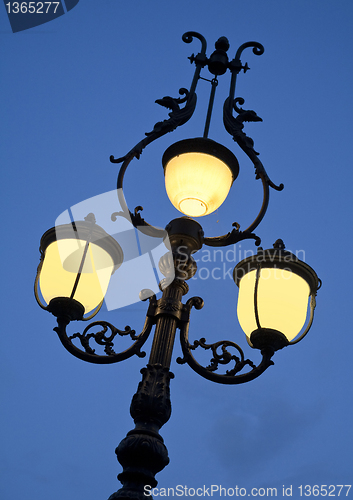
x: 100, y: 337
x: 235, y: 66
x: 232, y: 237
x: 220, y: 355
x: 177, y: 117
x: 200, y: 60
x: 258, y: 49
x: 236, y: 235
x: 234, y: 127
x: 188, y: 38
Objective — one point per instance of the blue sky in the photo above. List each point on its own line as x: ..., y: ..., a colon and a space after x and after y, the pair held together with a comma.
x: 82, y: 87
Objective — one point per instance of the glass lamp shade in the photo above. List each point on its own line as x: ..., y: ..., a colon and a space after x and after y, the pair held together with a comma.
x: 77, y: 262
x: 198, y: 175
x: 274, y: 291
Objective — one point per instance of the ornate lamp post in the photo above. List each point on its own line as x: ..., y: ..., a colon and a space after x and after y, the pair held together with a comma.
x: 78, y: 259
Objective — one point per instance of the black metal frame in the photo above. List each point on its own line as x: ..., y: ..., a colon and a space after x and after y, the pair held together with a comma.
x: 142, y: 453
x: 218, y: 63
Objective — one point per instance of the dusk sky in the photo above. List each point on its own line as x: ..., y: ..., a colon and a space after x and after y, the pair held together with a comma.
x: 83, y: 87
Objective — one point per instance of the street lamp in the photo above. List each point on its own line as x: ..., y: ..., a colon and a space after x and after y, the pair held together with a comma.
x: 275, y: 287
x: 77, y: 261
x: 198, y: 175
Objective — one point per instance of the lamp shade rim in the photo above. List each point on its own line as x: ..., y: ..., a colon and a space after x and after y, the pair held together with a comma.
x: 281, y: 259
x: 66, y: 307
x: 205, y: 146
x: 263, y: 338
x: 84, y: 231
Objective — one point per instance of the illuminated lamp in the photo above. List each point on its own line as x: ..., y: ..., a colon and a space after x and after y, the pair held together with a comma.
x: 274, y: 292
x: 198, y: 175
x: 77, y: 261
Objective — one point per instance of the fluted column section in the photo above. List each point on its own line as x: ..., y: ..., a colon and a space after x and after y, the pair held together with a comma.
x: 168, y: 313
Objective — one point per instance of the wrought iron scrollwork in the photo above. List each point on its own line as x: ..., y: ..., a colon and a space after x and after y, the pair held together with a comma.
x: 190, y: 35
x: 102, y: 339
x: 232, y: 237
x: 221, y: 355
x: 200, y: 60
x: 257, y: 48
x: 234, y: 127
x: 178, y: 116
x: 88, y: 353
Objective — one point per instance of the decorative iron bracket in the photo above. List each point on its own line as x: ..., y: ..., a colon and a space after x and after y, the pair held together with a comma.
x: 218, y: 63
x: 221, y: 355
x: 87, y: 353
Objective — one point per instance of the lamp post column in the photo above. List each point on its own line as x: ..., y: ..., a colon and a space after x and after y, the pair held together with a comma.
x: 142, y: 453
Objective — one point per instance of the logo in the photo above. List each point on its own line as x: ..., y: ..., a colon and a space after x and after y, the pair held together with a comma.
x: 26, y: 15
